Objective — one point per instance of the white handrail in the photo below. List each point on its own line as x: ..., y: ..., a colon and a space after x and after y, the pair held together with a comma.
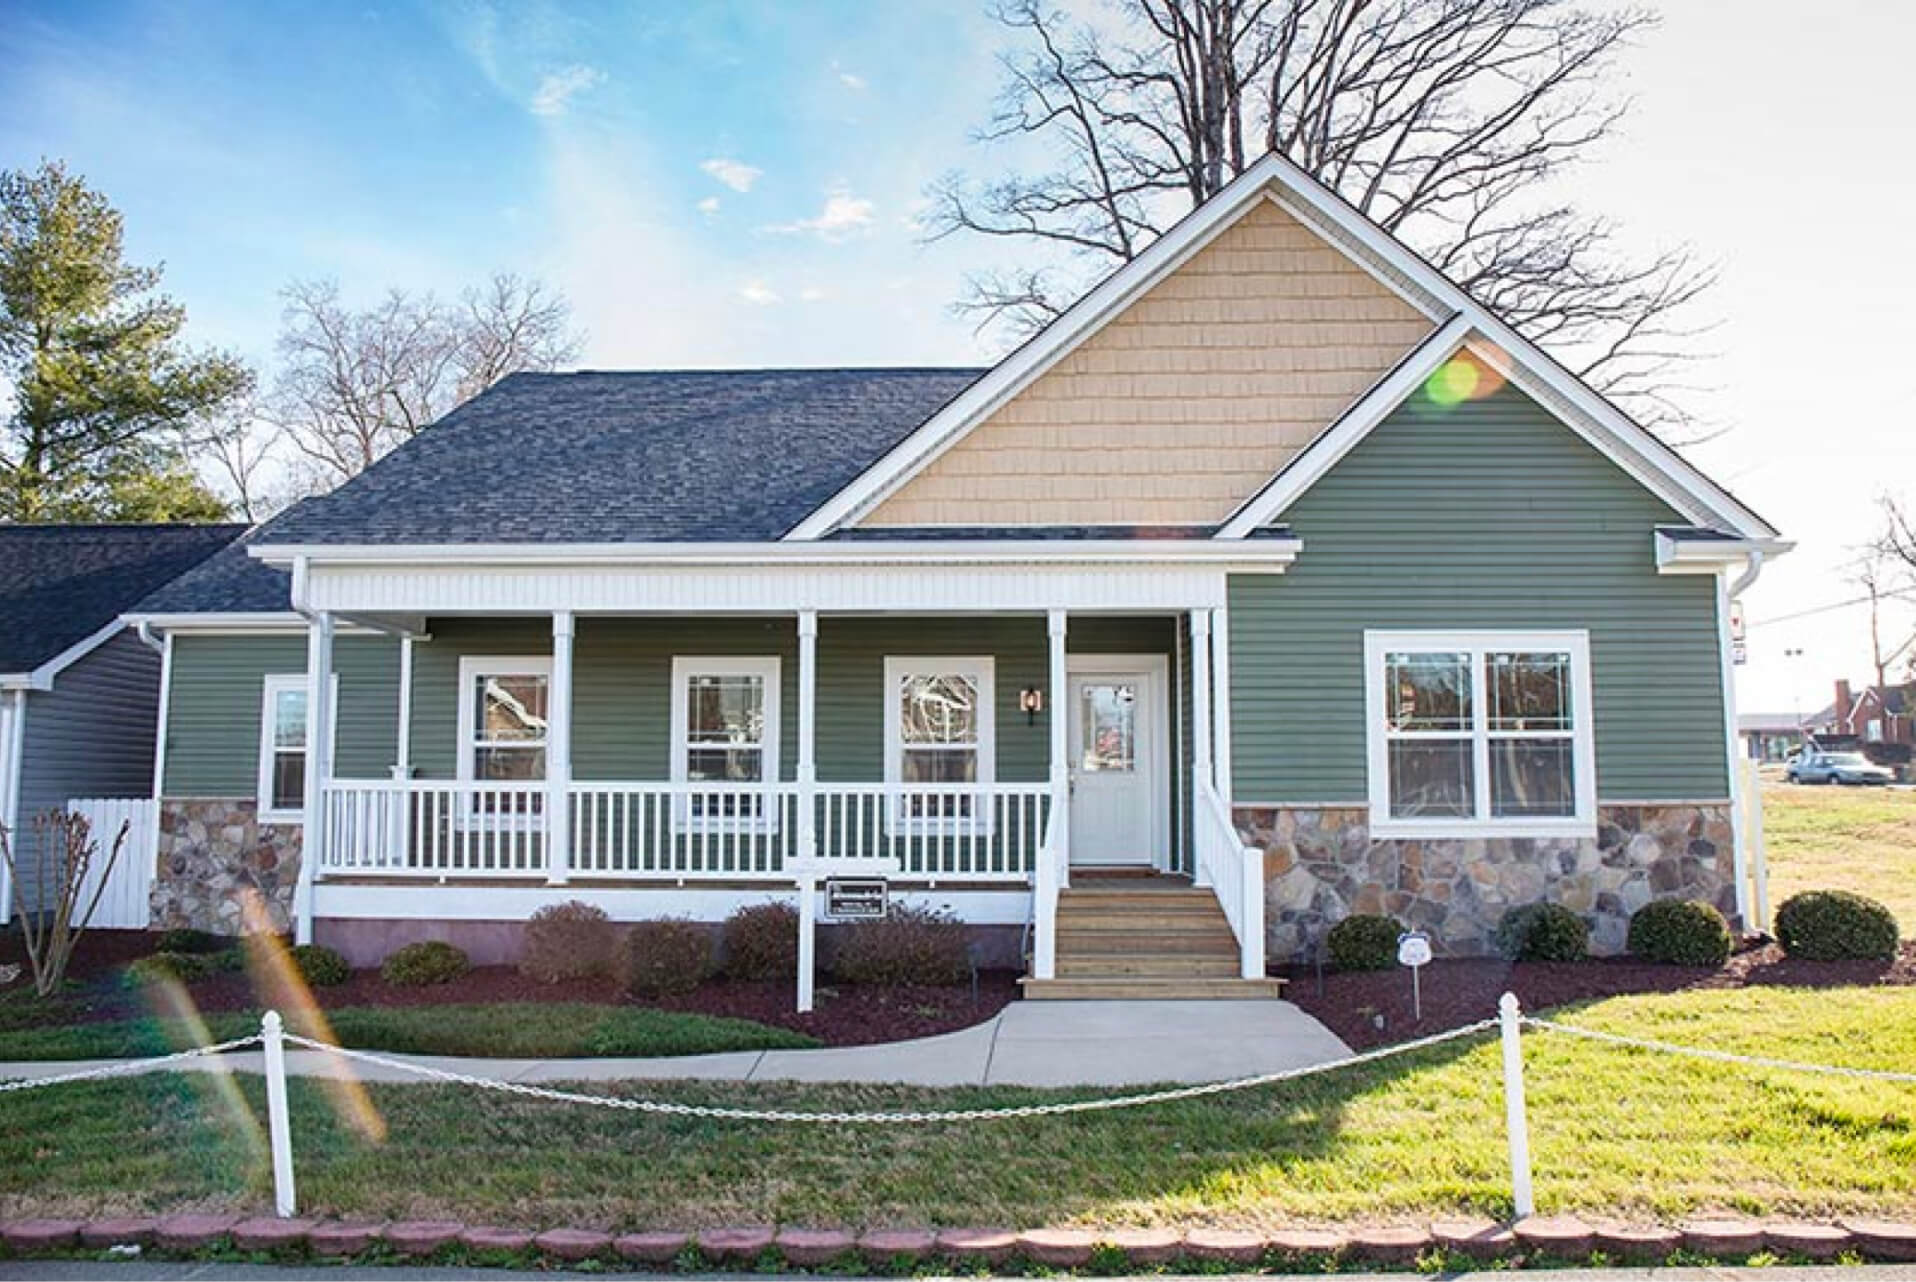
x: 1235, y: 872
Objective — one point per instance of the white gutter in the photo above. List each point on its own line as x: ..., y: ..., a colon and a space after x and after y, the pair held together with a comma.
x: 853, y: 552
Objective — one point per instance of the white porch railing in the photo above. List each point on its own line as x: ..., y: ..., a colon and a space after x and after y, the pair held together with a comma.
x: 1235, y: 873
x: 679, y: 831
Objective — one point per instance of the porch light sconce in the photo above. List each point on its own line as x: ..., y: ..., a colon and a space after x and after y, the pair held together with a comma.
x: 1031, y: 703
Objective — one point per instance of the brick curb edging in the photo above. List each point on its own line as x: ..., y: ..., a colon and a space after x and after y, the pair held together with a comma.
x: 1558, y: 1237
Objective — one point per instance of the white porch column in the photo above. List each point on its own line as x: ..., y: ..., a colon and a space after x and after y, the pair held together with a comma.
x: 402, y: 741
x: 1221, y: 702
x: 559, y: 753
x: 1060, y: 749
x: 807, y: 774
x: 13, y: 715
x: 1203, y: 771
x: 1739, y: 818
x: 319, y: 767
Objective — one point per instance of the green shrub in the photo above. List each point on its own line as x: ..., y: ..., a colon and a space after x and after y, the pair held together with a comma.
x: 1680, y: 932
x: 1836, y: 925
x: 906, y: 946
x: 430, y: 961
x: 1542, y: 932
x: 664, y: 957
x: 1364, y: 941
x: 761, y: 942
x: 183, y: 967
x: 183, y: 939
x: 319, y: 965
x: 568, y: 941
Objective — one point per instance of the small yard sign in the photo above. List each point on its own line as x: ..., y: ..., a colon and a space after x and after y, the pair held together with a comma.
x: 1413, y: 950
x: 856, y: 898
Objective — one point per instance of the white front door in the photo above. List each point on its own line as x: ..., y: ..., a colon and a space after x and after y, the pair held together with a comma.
x: 1117, y: 736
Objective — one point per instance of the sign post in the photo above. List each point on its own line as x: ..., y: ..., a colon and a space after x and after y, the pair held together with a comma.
x: 1413, y: 950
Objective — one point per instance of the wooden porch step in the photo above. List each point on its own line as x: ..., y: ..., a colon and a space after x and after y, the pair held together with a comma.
x: 1149, y: 965
x: 1130, y: 940
x: 1135, y: 988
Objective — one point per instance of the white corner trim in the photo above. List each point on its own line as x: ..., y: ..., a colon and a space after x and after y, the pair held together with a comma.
x: 1575, y: 642
x: 1328, y: 449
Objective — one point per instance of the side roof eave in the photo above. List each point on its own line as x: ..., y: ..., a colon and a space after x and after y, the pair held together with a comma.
x: 1633, y: 447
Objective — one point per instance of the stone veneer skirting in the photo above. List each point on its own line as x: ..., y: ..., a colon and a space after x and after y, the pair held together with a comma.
x: 212, y: 852
x: 1321, y: 865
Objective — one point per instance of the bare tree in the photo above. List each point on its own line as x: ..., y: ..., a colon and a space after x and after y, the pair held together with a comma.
x: 51, y: 928
x: 355, y: 383
x: 1442, y: 120
x: 240, y: 450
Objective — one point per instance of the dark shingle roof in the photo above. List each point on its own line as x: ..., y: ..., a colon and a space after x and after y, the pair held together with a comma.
x: 229, y: 581
x: 623, y: 458
x: 60, y: 584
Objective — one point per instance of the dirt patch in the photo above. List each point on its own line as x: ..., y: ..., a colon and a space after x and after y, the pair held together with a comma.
x: 845, y: 1015
x: 1462, y: 991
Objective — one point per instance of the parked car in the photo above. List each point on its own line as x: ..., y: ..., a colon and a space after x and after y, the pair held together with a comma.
x: 1837, y: 767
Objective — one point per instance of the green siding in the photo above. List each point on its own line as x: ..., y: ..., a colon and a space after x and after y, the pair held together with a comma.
x: 212, y: 723
x: 1487, y: 515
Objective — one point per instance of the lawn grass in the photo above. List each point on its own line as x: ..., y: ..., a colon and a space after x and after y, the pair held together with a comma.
x: 508, y: 1030
x: 1614, y: 1131
x: 1831, y: 838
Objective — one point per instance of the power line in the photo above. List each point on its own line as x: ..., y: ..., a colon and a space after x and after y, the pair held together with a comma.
x: 1900, y: 595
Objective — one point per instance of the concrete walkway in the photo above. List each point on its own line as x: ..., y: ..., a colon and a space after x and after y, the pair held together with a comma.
x: 1026, y: 1044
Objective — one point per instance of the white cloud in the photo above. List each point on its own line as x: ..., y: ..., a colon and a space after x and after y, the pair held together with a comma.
x: 843, y: 217
x: 709, y: 206
x: 811, y: 294
x: 758, y: 293
x: 851, y: 80
x: 558, y: 88
x: 735, y: 174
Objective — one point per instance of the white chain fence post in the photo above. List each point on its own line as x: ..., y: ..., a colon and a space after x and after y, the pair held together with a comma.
x: 279, y: 1126
x: 1516, y: 1120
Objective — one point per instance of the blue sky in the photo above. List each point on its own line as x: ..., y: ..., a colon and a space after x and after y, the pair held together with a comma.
x: 724, y: 184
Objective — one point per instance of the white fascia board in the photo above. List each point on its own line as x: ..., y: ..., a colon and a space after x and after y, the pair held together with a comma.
x: 1324, y: 453
x: 237, y: 623
x: 41, y: 678
x: 1039, y: 353
x: 1710, y: 556
x: 843, y: 553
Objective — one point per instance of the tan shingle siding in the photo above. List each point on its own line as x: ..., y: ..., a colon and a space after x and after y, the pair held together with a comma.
x: 1185, y: 404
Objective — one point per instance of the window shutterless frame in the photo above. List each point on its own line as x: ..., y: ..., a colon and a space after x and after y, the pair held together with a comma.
x: 980, y: 672
x: 273, y: 687
x: 1477, y: 645
x: 473, y: 667
x: 689, y: 668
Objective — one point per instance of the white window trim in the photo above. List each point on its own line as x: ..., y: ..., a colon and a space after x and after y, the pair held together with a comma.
x: 766, y: 668
x: 271, y: 687
x: 471, y: 667
x: 1583, y: 823
x: 982, y: 669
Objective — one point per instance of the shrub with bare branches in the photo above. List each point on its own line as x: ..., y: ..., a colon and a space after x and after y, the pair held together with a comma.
x: 64, y: 853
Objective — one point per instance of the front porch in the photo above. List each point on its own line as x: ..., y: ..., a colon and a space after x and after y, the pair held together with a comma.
x: 670, y: 765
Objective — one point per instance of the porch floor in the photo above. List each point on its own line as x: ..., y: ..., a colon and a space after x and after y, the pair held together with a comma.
x: 1087, y: 1043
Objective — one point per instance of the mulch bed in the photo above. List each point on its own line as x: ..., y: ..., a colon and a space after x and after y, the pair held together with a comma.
x: 845, y: 1016
x: 1462, y: 991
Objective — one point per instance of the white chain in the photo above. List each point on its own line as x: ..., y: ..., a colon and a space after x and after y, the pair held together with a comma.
x: 1723, y: 1057
x: 125, y: 1067
x: 674, y: 1109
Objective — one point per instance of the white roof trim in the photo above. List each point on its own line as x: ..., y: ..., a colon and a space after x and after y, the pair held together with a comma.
x: 768, y: 556
x: 1530, y: 369
x: 1322, y: 454
x: 41, y: 678
x: 1709, y: 556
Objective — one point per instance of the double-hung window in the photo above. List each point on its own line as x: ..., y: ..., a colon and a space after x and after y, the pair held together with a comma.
x: 725, y: 731
x: 939, y: 736
x: 282, y: 749
x: 503, y: 706
x: 1479, y: 734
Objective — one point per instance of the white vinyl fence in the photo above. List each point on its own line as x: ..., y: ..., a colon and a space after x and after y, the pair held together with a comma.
x: 125, y: 902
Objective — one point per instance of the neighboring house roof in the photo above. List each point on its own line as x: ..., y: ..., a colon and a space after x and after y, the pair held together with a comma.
x: 1768, y: 723
x: 62, y: 585
x: 714, y: 456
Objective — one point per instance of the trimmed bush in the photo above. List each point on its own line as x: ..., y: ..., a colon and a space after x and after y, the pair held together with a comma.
x: 182, y: 967
x: 1364, y: 941
x: 664, y: 957
x: 430, y: 961
x: 1542, y: 932
x: 761, y: 942
x: 319, y: 965
x: 1680, y: 932
x: 1836, y: 925
x: 568, y: 941
x: 182, y: 939
x: 907, y: 946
